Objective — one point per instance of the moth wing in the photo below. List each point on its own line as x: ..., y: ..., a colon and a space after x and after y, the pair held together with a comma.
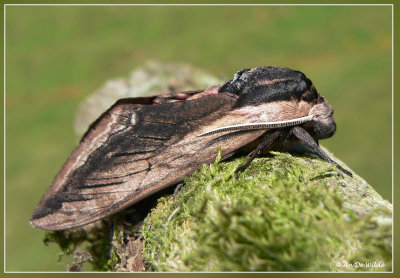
x: 132, y: 151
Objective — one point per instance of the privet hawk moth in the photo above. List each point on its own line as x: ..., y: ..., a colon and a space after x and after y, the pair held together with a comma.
x: 142, y: 145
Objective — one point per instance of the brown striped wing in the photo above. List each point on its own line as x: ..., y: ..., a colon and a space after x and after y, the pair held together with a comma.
x: 131, y: 152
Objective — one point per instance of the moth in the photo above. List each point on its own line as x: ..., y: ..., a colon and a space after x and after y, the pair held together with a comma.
x: 142, y: 145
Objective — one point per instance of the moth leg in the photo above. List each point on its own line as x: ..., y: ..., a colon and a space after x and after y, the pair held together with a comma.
x: 310, y: 143
x: 267, y: 140
x: 177, y: 189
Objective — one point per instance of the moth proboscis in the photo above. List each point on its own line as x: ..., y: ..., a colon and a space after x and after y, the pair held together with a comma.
x: 142, y: 145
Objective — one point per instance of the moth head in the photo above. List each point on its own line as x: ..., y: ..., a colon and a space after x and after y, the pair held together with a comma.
x: 322, y: 124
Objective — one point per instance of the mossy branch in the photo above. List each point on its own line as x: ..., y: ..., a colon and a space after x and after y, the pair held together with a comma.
x: 287, y: 212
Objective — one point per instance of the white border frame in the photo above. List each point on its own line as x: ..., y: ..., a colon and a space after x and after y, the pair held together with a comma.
x: 214, y: 5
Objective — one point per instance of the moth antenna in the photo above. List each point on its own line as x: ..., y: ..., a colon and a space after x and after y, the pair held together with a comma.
x: 266, y: 125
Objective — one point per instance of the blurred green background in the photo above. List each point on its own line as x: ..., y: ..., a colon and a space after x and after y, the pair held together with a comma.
x: 56, y: 56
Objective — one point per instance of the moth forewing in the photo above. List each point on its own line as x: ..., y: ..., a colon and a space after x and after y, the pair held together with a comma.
x: 120, y: 163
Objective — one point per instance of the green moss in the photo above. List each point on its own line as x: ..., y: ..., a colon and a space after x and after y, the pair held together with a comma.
x: 286, y: 213
x: 378, y: 248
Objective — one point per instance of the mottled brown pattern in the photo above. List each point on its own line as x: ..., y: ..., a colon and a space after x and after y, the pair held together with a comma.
x: 142, y: 145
